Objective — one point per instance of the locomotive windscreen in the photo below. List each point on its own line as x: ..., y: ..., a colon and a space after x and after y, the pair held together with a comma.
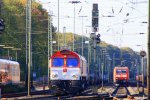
x: 124, y: 71
x: 72, y: 62
x: 58, y: 62
x: 118, y: 71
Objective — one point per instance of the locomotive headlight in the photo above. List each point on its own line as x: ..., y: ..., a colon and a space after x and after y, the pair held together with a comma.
x: 124, y: 76
x: 54, y: 74
x: 75, y: 76
x: 117, y: 75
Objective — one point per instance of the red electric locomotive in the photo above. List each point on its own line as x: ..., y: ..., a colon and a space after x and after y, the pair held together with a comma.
x: 68, y: 71
x: 121, y: 74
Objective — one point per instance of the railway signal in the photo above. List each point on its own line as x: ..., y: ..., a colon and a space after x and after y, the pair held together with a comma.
x: 2, y: 25
x: 95, y: 19
x: 95, y: 25
x: 98, y: 40
x: 142, y: 53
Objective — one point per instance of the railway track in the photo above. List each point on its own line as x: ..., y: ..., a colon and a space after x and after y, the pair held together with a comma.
x: 11, y: 95
x: 50, y: 93
x: 54, y: 95
x: 121, y: 92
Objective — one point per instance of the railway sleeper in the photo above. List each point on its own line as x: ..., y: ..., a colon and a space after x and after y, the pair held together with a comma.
x: 121, y: 96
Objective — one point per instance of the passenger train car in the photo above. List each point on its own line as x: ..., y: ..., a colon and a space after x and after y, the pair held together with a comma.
x: 68, y: 71
x: 9, y: 72
x: 121, y: 74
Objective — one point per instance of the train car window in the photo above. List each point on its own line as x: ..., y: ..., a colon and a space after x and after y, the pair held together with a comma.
x: 58, y: 62
x: 123, y: 71
x: 72, y: 62
x: 118, y: 71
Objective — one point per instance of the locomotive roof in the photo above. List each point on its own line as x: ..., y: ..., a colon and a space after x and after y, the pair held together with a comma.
x: 8, y: 61
x: 121, y: 67
x: 67, y: 52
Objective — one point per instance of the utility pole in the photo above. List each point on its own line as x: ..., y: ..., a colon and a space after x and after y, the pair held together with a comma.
x: 50, y: 43
x: 103, y: 51
x: 28, y: 34
x: 82, y: 32
x: 95, y: 25
x: 64, y: 31
x: 88, y: 48
x: 137, y: 66
x: 26, y: 76
x: 113, y: 60
x: 109, y: 68
x: 102, y: 75
x: 121, y: 58
x: 99, y: 61
x: 148, y: 57
x: 142, y: 74
x: 89, y: 57
x: 58, y: 27
x: 74, y: 2
x: 142, y: 54
x: 0, y: 8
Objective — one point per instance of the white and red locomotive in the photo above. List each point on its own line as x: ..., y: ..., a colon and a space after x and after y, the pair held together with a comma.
x: 68, y: 71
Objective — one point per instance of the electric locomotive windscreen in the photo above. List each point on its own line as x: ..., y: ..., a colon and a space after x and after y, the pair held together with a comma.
x: 123, y: 71
x: 118, y: 71
x: 58, y: 62
x: 72, y: 62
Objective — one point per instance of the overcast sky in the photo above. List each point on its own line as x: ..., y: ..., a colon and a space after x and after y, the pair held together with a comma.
x: 122, y: 30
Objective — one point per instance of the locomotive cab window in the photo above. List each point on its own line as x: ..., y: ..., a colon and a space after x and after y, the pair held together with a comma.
x: 58, y: 62
x: 72, y: 62
x: 118, y: 71
x: 123, y: 71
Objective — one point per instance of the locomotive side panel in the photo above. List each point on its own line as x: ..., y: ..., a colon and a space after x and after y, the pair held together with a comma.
x: 83, y: 68
x: 3, y: 71
x: 15, y: 72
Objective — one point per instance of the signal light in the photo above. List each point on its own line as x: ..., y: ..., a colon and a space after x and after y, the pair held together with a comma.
x: 98, y: 40
x: 98, y: 35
